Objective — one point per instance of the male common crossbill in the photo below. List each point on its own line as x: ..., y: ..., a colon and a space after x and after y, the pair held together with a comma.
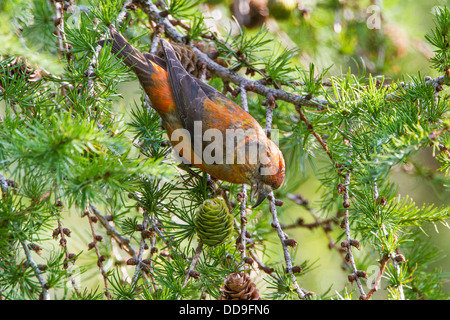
x: 195, y: 113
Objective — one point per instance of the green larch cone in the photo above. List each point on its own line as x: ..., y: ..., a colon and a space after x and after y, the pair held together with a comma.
x: 213, y: 222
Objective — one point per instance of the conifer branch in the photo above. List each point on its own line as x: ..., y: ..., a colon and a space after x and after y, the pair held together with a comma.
x: 45, y: 293
x: 273, y: 210
x: 396, y: 265
x: 355, y: 276
x: 243, y: 195
x: 144, y: 234
x: 63, y: 232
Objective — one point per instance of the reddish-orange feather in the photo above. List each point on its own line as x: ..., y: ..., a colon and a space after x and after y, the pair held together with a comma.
x: 160, y: 95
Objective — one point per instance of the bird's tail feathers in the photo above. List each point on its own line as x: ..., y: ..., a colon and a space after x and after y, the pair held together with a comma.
x: 171, y: 57
x: 131, y: 56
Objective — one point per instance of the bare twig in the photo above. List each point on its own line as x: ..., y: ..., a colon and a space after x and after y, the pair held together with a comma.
x: 356, y: 274
x: 155, y: 40
x: 43, y: 283
x: 120, y: 239
x: 90, y: 73
x: 63, y: 242
x: 243, y: 211
x: 123, y: 13
x: 243, y: 215
x: 376, y: 283
x: 269, y: 115
x: 153, y: 250
x: 3, y: 183
x: 263, y: 267
x: 63, y: 48
x: 100, y: 258
x: 386, y: 257
x: 323, y: 224
x: 302, y: 293
x: 145, y: 224
x: 194, y: 261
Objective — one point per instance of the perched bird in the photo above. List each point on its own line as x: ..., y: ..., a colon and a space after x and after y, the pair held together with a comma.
x: 206, y: 128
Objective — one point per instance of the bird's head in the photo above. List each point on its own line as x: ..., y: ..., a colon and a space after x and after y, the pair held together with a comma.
x: 270, y: 172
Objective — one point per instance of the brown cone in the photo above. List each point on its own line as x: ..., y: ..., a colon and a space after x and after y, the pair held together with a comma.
x: 239, y: 287
x: 20, y: 65
x: 190, y: 60
x: 186, y: 55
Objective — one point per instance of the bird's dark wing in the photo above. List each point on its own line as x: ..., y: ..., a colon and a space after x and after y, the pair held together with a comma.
x: 159, y: 61
x: 210, y: 91
x: 187, y: 93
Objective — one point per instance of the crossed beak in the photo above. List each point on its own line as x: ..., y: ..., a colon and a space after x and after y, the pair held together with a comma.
x: 262, y: 192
